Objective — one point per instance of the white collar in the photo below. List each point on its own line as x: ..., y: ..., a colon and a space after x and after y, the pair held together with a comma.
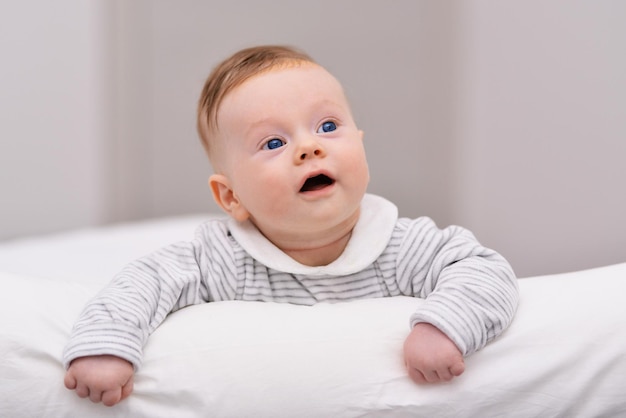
x: 369, y: 239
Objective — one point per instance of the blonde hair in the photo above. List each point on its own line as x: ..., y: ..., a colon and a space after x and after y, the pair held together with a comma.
x: 231, y: 73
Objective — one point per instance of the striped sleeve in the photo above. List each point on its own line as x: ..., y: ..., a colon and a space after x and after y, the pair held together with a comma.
x: 120, y: 318
x: 470, y: 292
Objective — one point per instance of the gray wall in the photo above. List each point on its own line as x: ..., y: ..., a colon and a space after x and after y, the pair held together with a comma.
x: 506, y: 117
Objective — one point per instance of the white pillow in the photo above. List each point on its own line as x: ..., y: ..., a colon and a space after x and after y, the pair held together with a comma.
x: 564, y: 355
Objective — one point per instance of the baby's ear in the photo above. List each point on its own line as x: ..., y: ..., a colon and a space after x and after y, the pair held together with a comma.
x: 226, y: 197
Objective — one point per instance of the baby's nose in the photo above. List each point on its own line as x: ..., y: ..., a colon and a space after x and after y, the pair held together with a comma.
x: 310, y: 149
x: 316, y: 152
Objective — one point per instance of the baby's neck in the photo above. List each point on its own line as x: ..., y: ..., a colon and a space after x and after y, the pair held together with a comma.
x: 314, y: 248
x: 320, y: 255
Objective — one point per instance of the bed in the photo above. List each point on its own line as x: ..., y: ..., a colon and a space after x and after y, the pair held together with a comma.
x: 563, y: 356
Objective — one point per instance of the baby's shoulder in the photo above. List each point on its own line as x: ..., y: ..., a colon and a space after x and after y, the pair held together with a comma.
x: 213, y: 225
x: 422, y: 223
x: 214, y: 231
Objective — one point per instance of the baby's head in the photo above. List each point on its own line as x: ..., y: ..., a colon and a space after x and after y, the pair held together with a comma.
x: 286, y: 151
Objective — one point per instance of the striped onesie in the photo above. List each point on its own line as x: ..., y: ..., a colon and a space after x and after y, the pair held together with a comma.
x: 470, y: 292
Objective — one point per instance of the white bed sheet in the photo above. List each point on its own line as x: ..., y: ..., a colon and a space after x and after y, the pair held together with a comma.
x: 563, y: 356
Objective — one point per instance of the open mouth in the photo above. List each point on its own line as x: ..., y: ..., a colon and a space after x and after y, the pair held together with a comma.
x: 316, y: 183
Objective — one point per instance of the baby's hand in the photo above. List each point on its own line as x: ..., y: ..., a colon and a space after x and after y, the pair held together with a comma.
x: 100, y: 378
x: 430, y: 356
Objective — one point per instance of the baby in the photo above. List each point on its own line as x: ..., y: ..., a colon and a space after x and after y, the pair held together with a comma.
x: 290, y: 170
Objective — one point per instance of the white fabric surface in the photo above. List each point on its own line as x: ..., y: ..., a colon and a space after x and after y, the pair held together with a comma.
x: 564, y: 355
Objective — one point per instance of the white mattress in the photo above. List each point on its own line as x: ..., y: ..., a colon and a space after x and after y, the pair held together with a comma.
x: 563, y: 356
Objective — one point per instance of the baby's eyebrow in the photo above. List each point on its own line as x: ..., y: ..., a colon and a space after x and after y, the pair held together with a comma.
x: 259, y: 123
x: 329, y: 102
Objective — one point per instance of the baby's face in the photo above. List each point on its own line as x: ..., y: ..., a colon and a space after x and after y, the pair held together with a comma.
x: 291, y: 151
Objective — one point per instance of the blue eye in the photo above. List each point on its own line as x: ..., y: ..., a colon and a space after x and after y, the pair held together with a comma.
x: 274, y: 143
x: 327, y: 127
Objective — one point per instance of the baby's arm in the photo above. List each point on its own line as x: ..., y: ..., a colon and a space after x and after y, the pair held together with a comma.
x: 115, y: 325
x: 106, y: 344
x: 106, y: 379
x: 469, y: 296
x: 430, y: 356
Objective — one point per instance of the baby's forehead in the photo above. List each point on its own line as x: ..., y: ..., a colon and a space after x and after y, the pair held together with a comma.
x: 303, y: 75
x: 293, y: 86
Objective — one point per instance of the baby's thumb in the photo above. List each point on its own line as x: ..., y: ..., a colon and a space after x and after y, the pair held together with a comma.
x: 458, y: 368
x: 69, y: 380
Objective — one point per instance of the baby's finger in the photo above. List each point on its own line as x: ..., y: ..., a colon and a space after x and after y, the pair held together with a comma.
x: 95, y: 396
x: 445, y: 375
x: 127, y: 389
x: 69, y: 380
x: 416, y: 375
x: 431, y: 376
x: 82, y: 390
x: 111, y: 397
